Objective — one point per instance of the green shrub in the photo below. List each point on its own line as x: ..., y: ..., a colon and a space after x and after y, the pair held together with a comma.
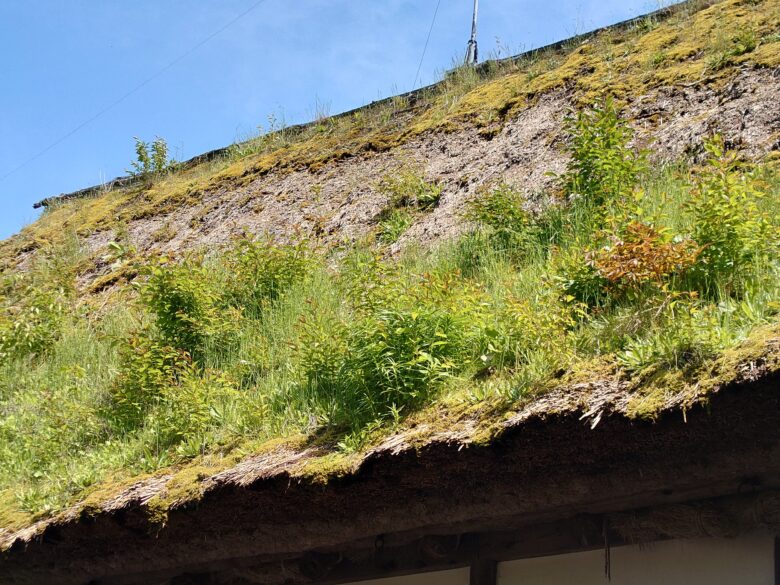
x: 368, y: 282
x: 524, y: 329
x: 152, y: 159
x: 407, y: 188
x: 30, y: 326
x: 185, y: 303
x: 579, y: 280
x: 159, y: 387
x: 404, y: 353
x: 394, y: 225
x: 189, y: 409
x: 147, y: 368
x: 603, y: 167
x: 395, y: 358
x: 321, y: 353
x: 35, y: 303
x: 729, y: 221
x: 259, y: 272
x: 404, y: 339
x: 510, y: 228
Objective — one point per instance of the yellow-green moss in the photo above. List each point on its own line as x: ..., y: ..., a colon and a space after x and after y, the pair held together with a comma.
x: 123, y: 274
x: 187, y: 484
x: 601, y: 367
x: 156, y: 511
x: 94, y: 499
x: 767, y: 54
x: 323, y: 469
x: 760, y: 351
x: 649, y: 400
x: 11, y: 517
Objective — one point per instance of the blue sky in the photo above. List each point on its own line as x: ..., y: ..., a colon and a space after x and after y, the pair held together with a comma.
x: 63, y: 61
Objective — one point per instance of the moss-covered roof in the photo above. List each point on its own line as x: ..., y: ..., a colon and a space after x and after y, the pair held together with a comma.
x: 697, y: 43
x: 592, y: 396
x: 573, y: 451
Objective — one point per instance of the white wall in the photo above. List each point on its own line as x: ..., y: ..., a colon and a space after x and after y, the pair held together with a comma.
x: 743, y: 561
x: 747, y: 560
x: 454, y: 577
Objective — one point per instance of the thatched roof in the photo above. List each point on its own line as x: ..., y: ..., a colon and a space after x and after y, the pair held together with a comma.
x: 601, y: 453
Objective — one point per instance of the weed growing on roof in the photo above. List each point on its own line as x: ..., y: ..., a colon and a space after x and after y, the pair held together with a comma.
x: 31, y: 326
x: 147, y: 368
x: 406, y: 188
x: 726, y: 48
x: 258, y: 273
x: 731, y: 220
x: 273, y: 136
x: 393, y: 358
x: 501, y: 212
x: 185, y: 302
x: 152, y: 159
x: 408, y: 194
x: 393, y: 225
x: 603, y: 167
x: 642, y: 257
x: 34, y: 304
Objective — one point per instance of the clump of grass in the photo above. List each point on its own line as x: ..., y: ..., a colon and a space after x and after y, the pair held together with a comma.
x: 394, y: 224
x: 408, y: 195
x: 406, y: 188
x: 726, y: 48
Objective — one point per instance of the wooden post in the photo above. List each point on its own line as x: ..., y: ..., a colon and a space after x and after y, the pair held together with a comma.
x: 777, y: 560
x: 483, y: 572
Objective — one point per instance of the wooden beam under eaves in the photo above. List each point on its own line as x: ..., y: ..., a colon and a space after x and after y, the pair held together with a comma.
x: 483, y: 572
x: 777, y: 560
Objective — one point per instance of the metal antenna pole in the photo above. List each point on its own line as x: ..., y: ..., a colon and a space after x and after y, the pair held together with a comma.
x: 471, y: 49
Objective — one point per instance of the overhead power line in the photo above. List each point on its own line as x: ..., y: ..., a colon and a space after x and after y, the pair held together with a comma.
x: 134, y: 90
x: 427, y: 40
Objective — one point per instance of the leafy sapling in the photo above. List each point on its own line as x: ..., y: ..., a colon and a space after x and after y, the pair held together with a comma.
x: 152, y: 159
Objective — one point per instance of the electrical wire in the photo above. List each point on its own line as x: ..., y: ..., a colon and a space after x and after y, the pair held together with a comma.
x: 427, y: 40
x: 137, y: 88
